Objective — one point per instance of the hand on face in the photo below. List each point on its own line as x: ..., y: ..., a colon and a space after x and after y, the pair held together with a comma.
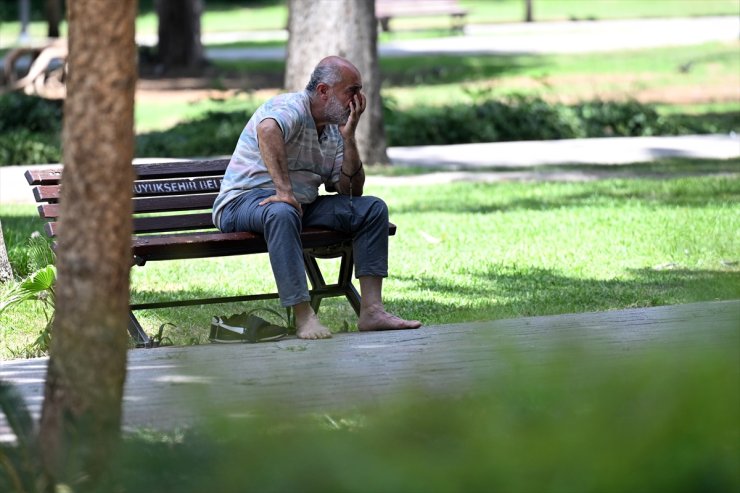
x: 357, y: 106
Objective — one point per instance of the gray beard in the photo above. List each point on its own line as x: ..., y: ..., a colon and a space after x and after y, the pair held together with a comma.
x: 335, y: 113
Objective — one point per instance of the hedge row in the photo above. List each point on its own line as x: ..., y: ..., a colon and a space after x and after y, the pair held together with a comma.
x: 30, y: 130
x: 29, y: 127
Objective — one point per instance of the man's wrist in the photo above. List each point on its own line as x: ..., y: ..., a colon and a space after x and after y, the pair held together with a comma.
x: 351, y: 174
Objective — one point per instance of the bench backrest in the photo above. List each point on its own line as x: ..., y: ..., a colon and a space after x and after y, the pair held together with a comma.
x: 391, y: 8
x: 167, y: 197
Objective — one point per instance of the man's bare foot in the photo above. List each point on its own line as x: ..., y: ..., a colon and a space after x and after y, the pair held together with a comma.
x: 311, y: 328
x: 379, y: 319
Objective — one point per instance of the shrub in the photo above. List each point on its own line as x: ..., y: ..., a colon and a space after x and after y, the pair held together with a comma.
x: 29, y: 129
x: 623, y: 119
x: 24, y: 147
x: 36, y: 115
x: 528, y: 118
x: 213, y: 134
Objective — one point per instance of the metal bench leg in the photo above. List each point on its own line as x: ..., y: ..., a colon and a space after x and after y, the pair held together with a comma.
x: 315, y: 277
x: 345, y: 280
x: 137, y: 332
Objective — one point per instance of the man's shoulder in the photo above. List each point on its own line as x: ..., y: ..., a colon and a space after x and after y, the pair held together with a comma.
x: 292, y: 100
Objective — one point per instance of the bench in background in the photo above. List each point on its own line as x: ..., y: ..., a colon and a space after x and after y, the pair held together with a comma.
x: 172, y: 220
x: 385, y: 10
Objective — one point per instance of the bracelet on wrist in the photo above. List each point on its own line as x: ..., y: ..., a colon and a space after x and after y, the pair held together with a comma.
x: 353, y: 174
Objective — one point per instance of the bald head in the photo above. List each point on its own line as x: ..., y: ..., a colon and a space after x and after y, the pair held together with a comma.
x: 330, y: 71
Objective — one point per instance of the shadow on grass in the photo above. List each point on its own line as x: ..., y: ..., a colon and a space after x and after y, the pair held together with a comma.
x: 500, y: 292
x: 482, y: 198
x: 508, y: 292
x: 447, y: 69
x: 662, y: 167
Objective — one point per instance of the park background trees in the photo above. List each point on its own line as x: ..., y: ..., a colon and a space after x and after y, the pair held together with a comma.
x: 179, y: 46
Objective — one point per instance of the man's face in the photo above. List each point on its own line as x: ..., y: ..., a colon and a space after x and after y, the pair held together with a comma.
x: 335, y: 112
x: 342, y: 96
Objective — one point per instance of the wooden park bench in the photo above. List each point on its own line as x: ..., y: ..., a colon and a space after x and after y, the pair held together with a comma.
x: 46, y: 73
x: 172, y: 220
x: 385, y: 10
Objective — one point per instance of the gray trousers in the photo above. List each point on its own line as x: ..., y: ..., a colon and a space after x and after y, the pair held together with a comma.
x: 365, y: 218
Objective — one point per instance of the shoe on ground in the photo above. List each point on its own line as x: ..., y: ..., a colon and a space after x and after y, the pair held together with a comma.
x: 244, y: 328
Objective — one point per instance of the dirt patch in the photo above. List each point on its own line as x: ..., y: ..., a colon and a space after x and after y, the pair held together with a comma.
x: 646, y: 88
x: 569, y: 89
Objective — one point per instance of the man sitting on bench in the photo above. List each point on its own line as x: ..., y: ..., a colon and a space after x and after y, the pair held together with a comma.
x: 292, y: 144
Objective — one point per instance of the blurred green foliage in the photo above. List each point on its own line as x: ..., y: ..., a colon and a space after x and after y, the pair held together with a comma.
x: 562, y: 420
x: 484, y: 120
x: 31, y: 113
x: 521, y: 117
x: 29, y: 129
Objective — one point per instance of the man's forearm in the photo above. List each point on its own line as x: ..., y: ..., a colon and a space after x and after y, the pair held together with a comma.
x: 352, y: 171
x: 272, y: 149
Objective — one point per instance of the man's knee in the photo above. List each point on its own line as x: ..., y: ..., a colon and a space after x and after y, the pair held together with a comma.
x: 376, y: 208
x: 280, y: 213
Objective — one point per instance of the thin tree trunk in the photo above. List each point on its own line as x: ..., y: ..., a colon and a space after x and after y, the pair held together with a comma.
x: 6, y: 273
x: 347, y: 28
x: 528, y: 15
x: 53, y: 10
x: 179, y: 45
x: 81, y: 415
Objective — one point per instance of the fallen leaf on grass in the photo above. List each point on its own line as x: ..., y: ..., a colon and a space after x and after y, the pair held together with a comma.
x: 429, y: 238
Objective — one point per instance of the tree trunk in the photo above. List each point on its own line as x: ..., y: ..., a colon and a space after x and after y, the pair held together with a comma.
x: 81, y: 415
x: 53, y: 10
x: 179, y: 45
x: 528, y: 16
x: 25, y: 18
x: 6, y: 273
x: 347, y: 28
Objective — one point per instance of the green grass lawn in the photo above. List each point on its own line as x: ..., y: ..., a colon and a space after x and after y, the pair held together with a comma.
x: 471, y: 251
x: 444, y: 80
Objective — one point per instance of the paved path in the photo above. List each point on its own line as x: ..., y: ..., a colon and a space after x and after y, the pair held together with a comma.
x: 173, y: 387
x: 535, y: 38
x: 512, y: 160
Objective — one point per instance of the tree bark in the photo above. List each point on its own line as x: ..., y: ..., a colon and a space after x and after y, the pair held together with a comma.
x: 179, y: 45
x: 6, y: 273
x: 347, y: 28
x: 81, y: 415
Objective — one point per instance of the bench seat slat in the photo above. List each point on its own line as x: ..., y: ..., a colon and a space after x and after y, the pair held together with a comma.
x: 178, y: 203
x: 159, y: 224
x: 146, y: 171
x: 181, y: 169
x: 181, y: 186
x: 216, y: 244
x: 149, y: 204
x: 180, y: 222
x: 46, y: 176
